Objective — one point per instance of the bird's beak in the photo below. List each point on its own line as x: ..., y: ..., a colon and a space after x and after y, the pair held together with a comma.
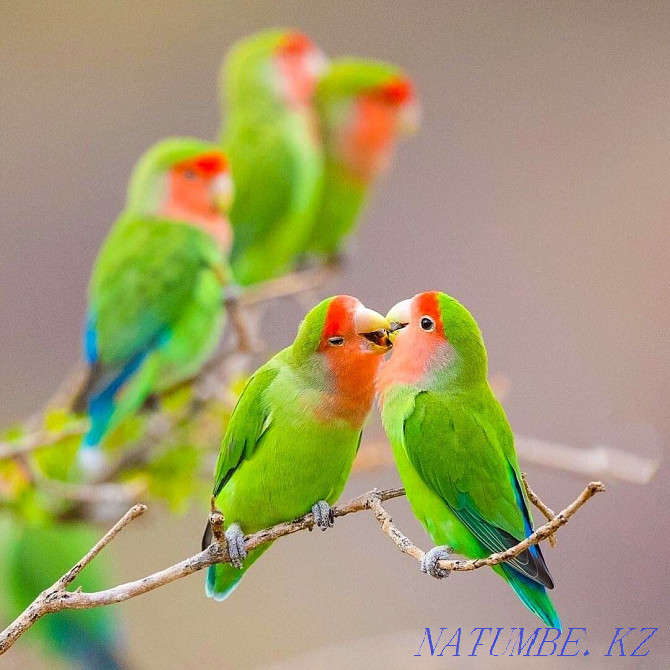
x: 409, y: 118
x: 317, y: 64
x: 374, y: 328
x: 223, y: 192
x: 399, y: 316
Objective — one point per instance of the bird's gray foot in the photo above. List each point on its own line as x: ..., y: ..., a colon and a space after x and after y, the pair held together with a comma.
x: 235, y: 541
x: 429, y: 562
x: 323, y: 515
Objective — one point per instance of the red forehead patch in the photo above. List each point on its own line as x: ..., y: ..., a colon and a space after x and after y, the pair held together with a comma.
x: 339, y: 316
x: 397, y: 91
x: 428, y: 303
x: 207, y: 165
x: 296, y: 44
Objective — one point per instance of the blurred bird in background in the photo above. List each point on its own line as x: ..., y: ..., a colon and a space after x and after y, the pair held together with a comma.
x: 363, y: 107
x: 155, y: 300
x: 270, y: 134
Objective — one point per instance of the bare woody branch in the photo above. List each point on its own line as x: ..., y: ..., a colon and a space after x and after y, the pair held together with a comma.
x: 407, y: 547
x: 535, y: 499
x: 51, y: 600
x: 58, y: 598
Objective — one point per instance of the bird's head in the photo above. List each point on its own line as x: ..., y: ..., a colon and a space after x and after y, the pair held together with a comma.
x: 187, y: 180
x: 365, y: 106
x: 339, y: 347
x: 434, y: 338
x: 298, y: 63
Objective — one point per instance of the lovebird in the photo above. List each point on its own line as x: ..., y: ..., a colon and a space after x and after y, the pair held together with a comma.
x: 271, y: 137
x: 32, y: 558
x: 364, y: 107
x: 454, y: 447
x: 295, y: 431
x: 156, y: 308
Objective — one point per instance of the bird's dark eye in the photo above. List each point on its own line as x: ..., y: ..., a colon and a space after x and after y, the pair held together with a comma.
x: 336, y: 341
x: 427, y: 324
x: 189, y: 174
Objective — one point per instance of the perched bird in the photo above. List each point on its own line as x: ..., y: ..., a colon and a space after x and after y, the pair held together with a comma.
x: 296, y: 429
x: 364, y: 106
x: 155, y: 309
x: 454, y: 447
x: 271, y: 137
x: 32, y: 558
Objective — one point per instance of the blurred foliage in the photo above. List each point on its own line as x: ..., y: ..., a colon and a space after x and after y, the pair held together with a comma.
x: 166, y: 452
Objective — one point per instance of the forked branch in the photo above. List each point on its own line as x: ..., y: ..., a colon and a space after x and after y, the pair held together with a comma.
x: 57, y: 597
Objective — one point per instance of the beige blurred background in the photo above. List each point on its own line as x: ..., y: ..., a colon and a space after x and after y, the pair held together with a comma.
x: 536, y: 192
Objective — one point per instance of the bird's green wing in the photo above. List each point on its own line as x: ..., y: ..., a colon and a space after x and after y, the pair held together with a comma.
x: 458, y: 446
x: 263, y: 169
x: 146, y: 273
x: 248, y: 423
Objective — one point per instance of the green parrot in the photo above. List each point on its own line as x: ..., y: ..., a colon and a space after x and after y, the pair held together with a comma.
x: 155, y: 309
x: 363, y: 107
x: 454, y: 447
x: 271, y: 137
x: 296, y: 429
x: 32, y: 558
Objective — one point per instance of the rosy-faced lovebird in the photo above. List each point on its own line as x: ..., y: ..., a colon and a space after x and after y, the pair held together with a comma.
x: 453, y: 446
x: 33, y: 558
x: 364, y: 106
x: 270, y: 135
x: 295, y: 431
x: 155, y: 309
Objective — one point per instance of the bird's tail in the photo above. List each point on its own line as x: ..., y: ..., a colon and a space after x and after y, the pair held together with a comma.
x: 223, y: 578
x: 533, y: 595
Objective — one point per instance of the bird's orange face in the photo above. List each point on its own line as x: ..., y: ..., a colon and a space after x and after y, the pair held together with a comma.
x: 300, y: 63
x: 200, y: 191
x: 353, y: 342
x: 380, y: 116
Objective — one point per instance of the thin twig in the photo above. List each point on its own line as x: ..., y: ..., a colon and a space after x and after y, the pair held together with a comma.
x: 42, y: 438
x: 535, y: 499
x: 57, y: 598
x: 288, y: 285
x: 542, y: 533
x: 51, y: 599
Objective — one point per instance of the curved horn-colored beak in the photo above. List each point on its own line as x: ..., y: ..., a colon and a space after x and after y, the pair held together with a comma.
x: 373, y: 327
x: 223, y: 192
x: 399, y: 315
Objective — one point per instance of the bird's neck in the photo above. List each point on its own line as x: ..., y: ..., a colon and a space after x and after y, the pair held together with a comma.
x: 210, y: 221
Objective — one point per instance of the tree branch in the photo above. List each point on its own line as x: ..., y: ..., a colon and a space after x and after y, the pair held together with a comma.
x: 57, y: 598
x: 535, y: 499
x: 407, y: 547
x: 51, y: 600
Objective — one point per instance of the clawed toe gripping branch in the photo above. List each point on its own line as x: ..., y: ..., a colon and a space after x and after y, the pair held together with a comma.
x: 57, y: 597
